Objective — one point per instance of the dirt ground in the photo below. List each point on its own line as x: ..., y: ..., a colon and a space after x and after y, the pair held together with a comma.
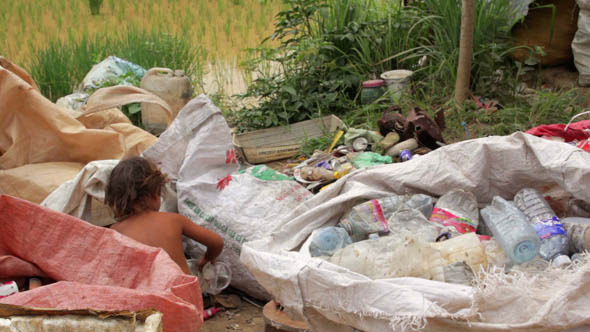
x: 245, y: 318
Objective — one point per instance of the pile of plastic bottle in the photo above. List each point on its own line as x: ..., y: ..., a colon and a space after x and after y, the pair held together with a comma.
x: 413, y: 236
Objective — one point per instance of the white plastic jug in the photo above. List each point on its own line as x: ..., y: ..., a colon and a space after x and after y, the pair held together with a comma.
x: 172, y: 86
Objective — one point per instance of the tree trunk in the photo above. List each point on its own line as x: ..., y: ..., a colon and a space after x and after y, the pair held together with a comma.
x: 465, y: 51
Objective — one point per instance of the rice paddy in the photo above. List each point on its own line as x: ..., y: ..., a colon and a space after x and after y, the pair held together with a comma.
x: 223, y: 28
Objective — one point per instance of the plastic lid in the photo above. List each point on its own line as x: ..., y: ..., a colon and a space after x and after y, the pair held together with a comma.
x: 561, y: 261
x: 373, y: 83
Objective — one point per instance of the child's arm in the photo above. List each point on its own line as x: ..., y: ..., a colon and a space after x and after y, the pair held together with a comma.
x: 211, y: 240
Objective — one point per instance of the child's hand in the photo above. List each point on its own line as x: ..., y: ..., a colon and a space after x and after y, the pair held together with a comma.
x: 202, y: 263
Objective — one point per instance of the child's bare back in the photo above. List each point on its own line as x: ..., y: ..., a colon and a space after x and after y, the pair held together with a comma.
x: 134, y: 194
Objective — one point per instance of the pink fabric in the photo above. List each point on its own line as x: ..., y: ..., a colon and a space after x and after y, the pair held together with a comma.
x: 97, y: 268
x: 575, y: 131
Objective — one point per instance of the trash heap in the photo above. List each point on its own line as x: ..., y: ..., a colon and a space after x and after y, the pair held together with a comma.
x: 446, y: 240
x: 399, y: 139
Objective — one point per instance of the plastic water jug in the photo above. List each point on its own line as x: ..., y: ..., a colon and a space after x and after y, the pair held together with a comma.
x: 172, y: 86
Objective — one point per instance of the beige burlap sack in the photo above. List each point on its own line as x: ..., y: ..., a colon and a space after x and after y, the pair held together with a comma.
x: 34, y: 182
x: 35, y: 130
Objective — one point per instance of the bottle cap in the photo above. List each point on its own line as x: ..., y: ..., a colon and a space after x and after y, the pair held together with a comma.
x: 561, y: 261
x: 360, y: 144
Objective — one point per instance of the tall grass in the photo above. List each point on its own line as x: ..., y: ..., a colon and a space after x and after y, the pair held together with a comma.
x: 491, y: 43
x: 201, y: 23
x: 62, y: 65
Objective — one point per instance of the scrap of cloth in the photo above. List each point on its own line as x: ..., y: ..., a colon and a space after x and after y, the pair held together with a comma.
x: 95, y: 267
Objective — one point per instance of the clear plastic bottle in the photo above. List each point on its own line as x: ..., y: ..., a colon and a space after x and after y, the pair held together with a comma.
x: 413, y: 221
x: 511, y: 229
x: 327, y: 240
x: 554, y: 241
x: 370, y: 217
x: 457, y: 210
x: 214, y: 277
x: 422, y: 203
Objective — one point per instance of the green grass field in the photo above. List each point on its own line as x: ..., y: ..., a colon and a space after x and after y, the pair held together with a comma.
x: 221, y: 27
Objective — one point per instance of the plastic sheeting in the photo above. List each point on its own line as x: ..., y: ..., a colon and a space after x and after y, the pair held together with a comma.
x: 96, y: 268
x: 331, y: 298
x: 238, y: 203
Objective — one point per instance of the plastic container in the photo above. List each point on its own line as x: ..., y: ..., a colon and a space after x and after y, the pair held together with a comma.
x: 458, y: 211
x: 310, y: 173
x: 399, y: 255
x: 372, y: 90
x: 172, y: 86
x: 554, y: 241
x: 327, y: 240
x: 464, y: 248
x: 397, y: 81
x: 413, y: 221
x: 511, y: 229
x: 213, y: 278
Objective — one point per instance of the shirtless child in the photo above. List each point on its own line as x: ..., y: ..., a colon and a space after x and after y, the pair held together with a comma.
x: 133, y: 193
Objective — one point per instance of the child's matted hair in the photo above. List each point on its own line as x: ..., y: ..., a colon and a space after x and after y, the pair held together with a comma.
x: 131, y: 183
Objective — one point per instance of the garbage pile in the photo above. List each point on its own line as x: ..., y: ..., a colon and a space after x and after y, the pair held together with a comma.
x: 475, y: 236
x: 414, y: 236
x: 399, y: 139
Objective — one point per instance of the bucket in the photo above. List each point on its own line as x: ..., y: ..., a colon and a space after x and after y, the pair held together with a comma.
x: 172, y: 86
x: 398, y: 82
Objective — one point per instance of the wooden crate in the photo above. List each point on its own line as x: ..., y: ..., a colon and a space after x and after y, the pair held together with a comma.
x: 277, y: 143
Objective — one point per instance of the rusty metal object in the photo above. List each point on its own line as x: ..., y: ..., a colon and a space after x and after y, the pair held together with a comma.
x: 424, y: 128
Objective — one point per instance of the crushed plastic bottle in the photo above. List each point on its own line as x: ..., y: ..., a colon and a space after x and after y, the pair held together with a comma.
x: 413, y: 221
x: 372, y: 216
x: 327, y: 240
x: 422, y: 203
x: 457, y: 210
x: 511, y: 229
x: 554, y: 241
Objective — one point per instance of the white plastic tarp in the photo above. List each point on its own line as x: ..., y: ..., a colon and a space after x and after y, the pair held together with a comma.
x: 241, y: 204
x: 331, y: 298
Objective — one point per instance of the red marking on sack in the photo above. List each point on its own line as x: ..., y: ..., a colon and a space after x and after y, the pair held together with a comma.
x: 230, y: 156
x: 223, y: 182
